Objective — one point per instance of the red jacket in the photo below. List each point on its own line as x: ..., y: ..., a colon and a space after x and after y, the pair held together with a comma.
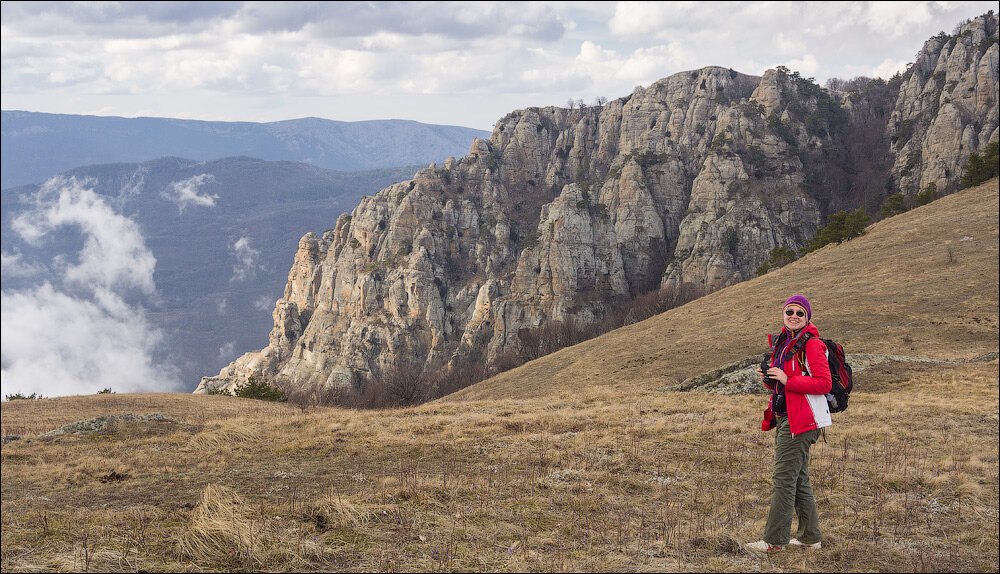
x: 805, y: 394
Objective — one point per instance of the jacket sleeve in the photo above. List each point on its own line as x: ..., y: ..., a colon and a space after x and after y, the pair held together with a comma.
x: 819, y: 381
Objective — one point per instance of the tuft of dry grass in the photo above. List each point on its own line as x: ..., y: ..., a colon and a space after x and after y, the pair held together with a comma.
x: 221, y: 533
x: 230, y: 433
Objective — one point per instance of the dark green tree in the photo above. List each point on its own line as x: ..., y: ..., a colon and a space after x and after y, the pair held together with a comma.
x: 894, y: 205
x: 779, y: 257
x: 928, y: 195
x: 980, y: 168
x: 840, y: 227
x: 259, y: 389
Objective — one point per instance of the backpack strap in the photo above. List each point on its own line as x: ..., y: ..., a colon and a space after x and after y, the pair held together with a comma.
x: 799, y: 345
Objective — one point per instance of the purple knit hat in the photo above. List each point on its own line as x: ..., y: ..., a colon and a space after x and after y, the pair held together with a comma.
x: 801, y: 302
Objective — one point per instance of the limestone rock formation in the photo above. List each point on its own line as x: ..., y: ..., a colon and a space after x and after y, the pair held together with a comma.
x: 566, y: 213
x: 947, y: 107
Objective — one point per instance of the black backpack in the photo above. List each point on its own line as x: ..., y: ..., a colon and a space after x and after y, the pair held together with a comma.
x: 840, y: 371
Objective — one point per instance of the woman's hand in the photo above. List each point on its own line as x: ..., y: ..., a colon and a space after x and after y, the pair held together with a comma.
x: 764, y: 380
x: 778, y: 374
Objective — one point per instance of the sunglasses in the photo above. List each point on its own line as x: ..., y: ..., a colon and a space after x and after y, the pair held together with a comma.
x: 791, y: 312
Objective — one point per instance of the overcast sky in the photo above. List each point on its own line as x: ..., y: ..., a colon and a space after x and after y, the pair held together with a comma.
x: 462, y: 63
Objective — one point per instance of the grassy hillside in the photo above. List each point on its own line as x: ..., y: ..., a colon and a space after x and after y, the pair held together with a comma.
x: 577, y: 461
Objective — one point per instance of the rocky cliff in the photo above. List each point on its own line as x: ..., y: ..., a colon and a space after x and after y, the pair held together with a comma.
x: 947, y: 107
x: 566, y: 213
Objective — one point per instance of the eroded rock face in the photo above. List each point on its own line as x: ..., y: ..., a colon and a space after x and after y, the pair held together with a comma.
x: 567, y: 213
x: 947, y: 107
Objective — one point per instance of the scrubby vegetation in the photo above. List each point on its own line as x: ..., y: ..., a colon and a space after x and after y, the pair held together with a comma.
x: 980, y: 168
x: 840, y: 227
x: 254, y: 388
x: 778, y: 258
x: 21, y: 396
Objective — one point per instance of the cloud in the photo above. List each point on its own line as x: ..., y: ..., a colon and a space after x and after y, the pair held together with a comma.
x: 273, y: 61
x: 226, y: 351
x: 114, y: 255
x: 57, y: 344
x: 247, y: 260
x: 457, y: 21
x: 887, y: 68
x: 185, y: 192
x: 74, y: 332
x: 14, y: 265
x: 807, y: 65
x: 263, y: 303
x: 118, y: 19
x: 896, y: 18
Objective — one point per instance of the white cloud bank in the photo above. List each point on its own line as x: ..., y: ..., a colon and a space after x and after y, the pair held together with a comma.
x: 74, y: 332
x: 247, y: 260
x: 185, y: 192
x: 451, y: 63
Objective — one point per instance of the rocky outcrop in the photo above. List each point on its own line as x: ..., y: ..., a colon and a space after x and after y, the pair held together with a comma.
x: 947, y: 107
x: 564, y: 214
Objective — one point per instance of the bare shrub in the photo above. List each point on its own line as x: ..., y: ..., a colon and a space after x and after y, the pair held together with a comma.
x: 306, y: 398
x: 531, y: 344
x: 449, y: 380
x: 399, y: 386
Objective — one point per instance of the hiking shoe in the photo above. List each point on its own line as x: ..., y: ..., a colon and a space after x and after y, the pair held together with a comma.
x: 762, y: 546
x: 794, y: 542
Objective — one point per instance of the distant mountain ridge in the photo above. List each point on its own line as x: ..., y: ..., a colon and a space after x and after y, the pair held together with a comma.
x: 35, y: 145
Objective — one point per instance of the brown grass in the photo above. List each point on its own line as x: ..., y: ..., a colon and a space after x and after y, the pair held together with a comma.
x: 605, y: 472
x: 28, y: 417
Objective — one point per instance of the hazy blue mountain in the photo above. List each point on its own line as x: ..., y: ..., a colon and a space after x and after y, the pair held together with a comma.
x: 211, y: 304
x: 36, y: 146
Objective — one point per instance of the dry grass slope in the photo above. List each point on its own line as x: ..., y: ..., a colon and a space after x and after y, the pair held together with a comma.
x: 577, y: 461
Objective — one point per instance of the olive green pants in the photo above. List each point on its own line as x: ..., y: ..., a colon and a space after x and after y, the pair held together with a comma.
x: 791, y: 488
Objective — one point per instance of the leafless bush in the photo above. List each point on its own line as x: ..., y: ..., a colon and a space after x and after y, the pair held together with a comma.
x: 531, y: 344
x: 855, y: 84
x: 306, y: 398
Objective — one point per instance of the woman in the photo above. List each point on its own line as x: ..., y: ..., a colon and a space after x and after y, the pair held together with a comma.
x: 798, y: 375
